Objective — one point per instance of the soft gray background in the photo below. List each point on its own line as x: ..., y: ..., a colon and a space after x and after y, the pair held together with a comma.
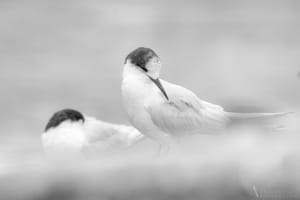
x: 241, y: 54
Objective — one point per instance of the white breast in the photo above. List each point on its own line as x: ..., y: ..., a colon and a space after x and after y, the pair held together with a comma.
x: 66, y: 138
x: 137, y: 92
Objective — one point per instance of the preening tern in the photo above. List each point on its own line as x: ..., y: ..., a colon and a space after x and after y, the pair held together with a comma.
x: 69, y: 131
x: 160, y: 109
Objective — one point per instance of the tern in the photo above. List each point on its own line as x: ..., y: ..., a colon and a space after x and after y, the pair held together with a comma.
x: 162, y: 110
x: 69, y: 131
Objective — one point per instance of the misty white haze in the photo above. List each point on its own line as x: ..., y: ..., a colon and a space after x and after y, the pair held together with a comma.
x: 242, y: 55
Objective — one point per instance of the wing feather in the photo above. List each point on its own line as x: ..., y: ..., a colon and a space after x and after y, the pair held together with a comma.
x: 185, y: 112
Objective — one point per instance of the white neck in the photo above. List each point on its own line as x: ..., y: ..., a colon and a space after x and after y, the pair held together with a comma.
x: 131, y: 71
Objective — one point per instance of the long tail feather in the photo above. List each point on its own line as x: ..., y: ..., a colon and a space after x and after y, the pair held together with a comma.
x: 243, y: 116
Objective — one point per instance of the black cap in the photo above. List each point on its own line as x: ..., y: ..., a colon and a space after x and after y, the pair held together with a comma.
x: 141, y: 56
x: 64, y: 115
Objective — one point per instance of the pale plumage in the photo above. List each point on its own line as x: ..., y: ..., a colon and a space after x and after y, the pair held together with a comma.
x: 70, y: 132
x: 185, y: 112
x: 159, y: 109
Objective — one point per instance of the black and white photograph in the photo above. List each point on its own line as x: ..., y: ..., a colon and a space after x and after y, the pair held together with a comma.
x: 150, y: 100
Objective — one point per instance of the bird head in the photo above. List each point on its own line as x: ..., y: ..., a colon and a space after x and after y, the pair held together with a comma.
x: 148, y: 62
x: 64, y: 115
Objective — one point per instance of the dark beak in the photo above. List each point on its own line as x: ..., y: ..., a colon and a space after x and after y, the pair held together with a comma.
x: 159, y: 85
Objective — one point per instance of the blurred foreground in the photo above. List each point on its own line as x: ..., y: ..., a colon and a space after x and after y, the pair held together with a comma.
x: 246, y: 164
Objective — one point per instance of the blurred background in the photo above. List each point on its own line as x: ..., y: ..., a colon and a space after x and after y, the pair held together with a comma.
x: 243, y: 55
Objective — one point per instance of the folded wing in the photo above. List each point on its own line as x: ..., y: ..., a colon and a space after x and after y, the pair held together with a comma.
x: 185, y: 113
